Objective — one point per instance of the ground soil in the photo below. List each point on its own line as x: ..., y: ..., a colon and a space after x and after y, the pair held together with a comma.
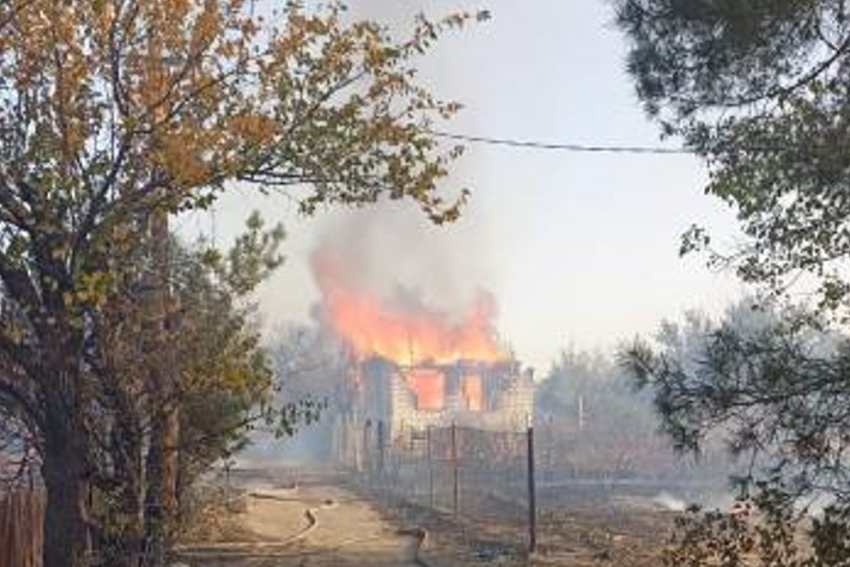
x: 493, y: 530
x: 316, y: 523
x: 351, y: 524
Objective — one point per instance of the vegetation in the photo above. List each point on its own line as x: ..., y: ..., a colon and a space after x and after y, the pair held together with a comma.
x: 599, y: 424
x: 761, y: 90
x: 310, y: 363
x: 602, y: 427
x: 221, y: 384
x: 115, y: 114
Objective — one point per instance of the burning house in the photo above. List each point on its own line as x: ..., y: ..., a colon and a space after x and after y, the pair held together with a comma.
x: 495, y: 396
x: 414, y: 367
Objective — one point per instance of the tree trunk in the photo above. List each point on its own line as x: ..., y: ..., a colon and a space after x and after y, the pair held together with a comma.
x: 127, y: 550
x: 67, y: 541
x: 162, y: 472
x: 129, y: 466
x: 163, y: 456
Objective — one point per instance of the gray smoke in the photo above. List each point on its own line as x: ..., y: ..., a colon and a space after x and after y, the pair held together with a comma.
x: 392, y: 252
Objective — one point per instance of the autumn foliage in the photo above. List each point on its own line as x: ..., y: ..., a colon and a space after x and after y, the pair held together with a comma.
x: 115, y: 114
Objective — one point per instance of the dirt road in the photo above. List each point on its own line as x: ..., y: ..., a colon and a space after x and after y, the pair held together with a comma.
x: 317, y: 525
x: 328, y: 520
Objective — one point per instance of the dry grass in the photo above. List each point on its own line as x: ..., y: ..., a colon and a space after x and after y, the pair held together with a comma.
x: 493, y: 530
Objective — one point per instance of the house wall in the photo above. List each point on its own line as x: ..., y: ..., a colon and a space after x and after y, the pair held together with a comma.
x: 383, y: 400
x: 511, y: 410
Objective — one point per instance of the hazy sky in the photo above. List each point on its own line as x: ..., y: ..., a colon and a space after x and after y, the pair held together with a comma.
x: 577, y: 248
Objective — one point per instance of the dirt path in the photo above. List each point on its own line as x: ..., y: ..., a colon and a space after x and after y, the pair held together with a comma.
x: 319, y: 525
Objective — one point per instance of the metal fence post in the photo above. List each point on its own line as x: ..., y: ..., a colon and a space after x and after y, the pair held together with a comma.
x: 367, y: 459
x: 430, y: 467
x: 381, y: 447
x: 454, y: 469
x: 532, y: 494
x: 227, y: 465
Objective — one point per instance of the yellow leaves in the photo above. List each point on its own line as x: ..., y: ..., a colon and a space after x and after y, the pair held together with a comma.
x: 249, y: 28
x: 144, y: 107
x: 253, y: 129
x: 181, y: 156
x: 205, y: 90
x: 176, y: 8
x: 104, y: 11
x: 229, y: 49
x: 217, y: 376
x: 208, y: 25
x: 92, y: 289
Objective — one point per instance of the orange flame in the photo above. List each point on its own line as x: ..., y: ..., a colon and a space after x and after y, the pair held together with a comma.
x: 473, y: 392
x: 429, y: 385
x: 403, y: 335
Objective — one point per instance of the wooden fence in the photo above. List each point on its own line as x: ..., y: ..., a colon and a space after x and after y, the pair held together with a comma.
x: 21, y: 518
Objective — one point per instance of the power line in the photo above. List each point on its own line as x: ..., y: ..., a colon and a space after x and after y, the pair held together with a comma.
x: 533, y: 144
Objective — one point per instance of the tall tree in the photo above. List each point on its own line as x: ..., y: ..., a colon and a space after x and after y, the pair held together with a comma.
x: 774, y: 388
x: 761, y: 89
x: 222, y: 384
x: 115, y: 111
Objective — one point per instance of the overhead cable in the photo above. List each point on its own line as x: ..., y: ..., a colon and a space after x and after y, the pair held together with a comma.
x: 532, y: 144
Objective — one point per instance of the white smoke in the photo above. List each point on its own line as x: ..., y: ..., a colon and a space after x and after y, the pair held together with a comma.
x: 669, y: 502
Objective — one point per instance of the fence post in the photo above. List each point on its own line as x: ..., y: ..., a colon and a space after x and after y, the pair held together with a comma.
x: 532, y: 493
x: 367, y: 458
x: 550, y: 444
x: 581, y: 413
x: 227, y: 465
x: 430, y: 466
x: 381, y: 444
x: 454, y: 469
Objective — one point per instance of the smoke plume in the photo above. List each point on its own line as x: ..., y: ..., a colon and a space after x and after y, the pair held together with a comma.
x: 393, y: 286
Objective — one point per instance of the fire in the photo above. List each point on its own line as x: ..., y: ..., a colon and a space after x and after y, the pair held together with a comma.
x: 473, y: 392
x: 429, y: 385
x: 404, y: 335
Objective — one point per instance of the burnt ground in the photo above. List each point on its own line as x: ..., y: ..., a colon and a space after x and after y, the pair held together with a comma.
x: 493, y: 530
x: 580, y: 528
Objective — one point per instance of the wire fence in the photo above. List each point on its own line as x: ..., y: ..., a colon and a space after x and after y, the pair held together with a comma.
x: 21, y: 520
x: 544, y: 486
x: 462, y: 472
